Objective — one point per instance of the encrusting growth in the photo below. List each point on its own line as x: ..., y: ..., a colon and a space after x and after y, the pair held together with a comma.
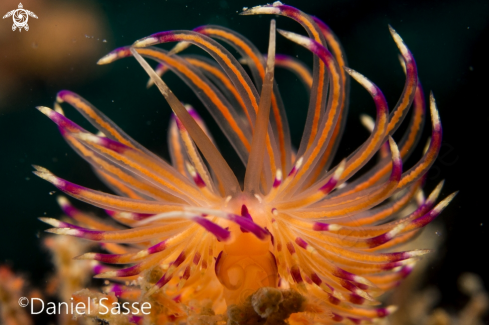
x: 296, y: 240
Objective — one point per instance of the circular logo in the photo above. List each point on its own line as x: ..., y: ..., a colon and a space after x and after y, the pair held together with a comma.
x: 20, y: 17
x: 23, y: 301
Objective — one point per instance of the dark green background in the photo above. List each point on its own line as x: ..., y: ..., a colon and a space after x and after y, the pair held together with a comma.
x: 447, y: 39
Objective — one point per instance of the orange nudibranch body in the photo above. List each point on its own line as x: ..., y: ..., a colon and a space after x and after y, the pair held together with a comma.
x: 340, y: 235
x: 246, y: 263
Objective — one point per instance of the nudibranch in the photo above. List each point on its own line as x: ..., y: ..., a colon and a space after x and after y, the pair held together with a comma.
x: 190, y: 230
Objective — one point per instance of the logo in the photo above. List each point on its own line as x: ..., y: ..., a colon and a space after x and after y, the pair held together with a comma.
x: 20, y: 16
x: 23, y: 301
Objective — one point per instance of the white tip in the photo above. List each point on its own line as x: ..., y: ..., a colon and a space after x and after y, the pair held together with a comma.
x: 391, y: 309
x: 399, y: 42
x: 63, y: 201
x: 179, y: 47
x: 443, y: 204
x: 190, y: 169
x: 334, y: 227
x: 45, y: 110
x: 48, y: 176
x: 278, y: 174
x: 145, y: 42
x: 420, y: 199
x: 64, y: 231
x: 362, y: 80
x: 258, y: 10
x: 108, y: 274
x: 338, y: 295
x: 58, y: 109
x: 418, y: 252
x: 342, y: 185
x: 394, y: 149
x: 141, y: 254
x: 298, y: 164
x: 296, y: 38
x: 340, y: 169
x: 436, y: 192
x: 368, y: 122
x: 397, y: 229
x: 243, y: 61
x: 50, y: 221
x: 398, y: 268
x: 361, y: 279
x: 109, y: 58
x: 88, y: 137
x: 226, y: 201
x: 435, y: 117
x: 311, y: 249
x: 86, y: 256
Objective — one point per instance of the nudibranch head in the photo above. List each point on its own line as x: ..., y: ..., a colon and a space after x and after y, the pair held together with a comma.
x: 295, y: 231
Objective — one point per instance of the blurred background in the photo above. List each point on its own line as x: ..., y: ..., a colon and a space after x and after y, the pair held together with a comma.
x: 62, y: 46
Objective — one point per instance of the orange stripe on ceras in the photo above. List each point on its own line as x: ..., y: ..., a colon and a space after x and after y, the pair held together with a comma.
x: 369, y: 150
x: 123, y: 176
x: 404, y: 102
x: 169, y: 182
x: 222, y: 77
x: 227, y: 61
x: 123, y: 205
x: 242, y: 81
x: 296, y: 67
x: 276, y: 112
x: 133, y: 158
x: 302, y: 19
x: 329, y: 123
x: 202, y: 85
x: 396, y: 241
x: 76, y: 101
x: 384, y: 213
x: 129, y: 192
x: 387, y: 278
x: 418, y: 117
x: 338, y: 54
x: 123, y: 188
x: 380, y: 194
x: 174, y: 138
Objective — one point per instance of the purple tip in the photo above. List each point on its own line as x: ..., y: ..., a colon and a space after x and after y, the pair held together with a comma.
x: 319, y: 226
x: 220, y: 233
x: 315, y: 278
x: 296, y: 274
x: 180, y: 259
x: 161, y: 246
x: 245, y: 214
x: 164, y: 280
x: 135, y: 319
x: 199, y: 181
x: 117, y: 289
x: 277, y: 182
x: 249, y: 225
x: 301, y: 242
x: 130, y: 271
x: 333, y: 300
